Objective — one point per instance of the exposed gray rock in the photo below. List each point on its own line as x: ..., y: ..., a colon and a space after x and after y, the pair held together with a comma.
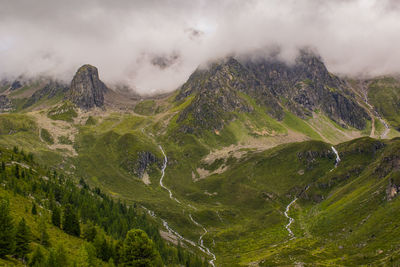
x: 15, y: 85
x: 5, y: 104
x: 145, y: 159
x: 392, y: 190
x: 307, y: 86
x: 303, y: 87
x: 87, y: 90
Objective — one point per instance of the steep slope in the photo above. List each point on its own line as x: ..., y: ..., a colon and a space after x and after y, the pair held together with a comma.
x: 384, y: 95
x: 36, y: 193
x: 233, y: 89
x: 308, y: 86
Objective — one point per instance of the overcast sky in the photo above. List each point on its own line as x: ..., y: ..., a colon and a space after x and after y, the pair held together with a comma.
x: 155, y: 45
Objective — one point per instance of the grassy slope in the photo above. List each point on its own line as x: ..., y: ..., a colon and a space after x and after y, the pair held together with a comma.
x: 384, y: 94
x: 21, y: 208
x: 342, y: 228
x: 251, y: 194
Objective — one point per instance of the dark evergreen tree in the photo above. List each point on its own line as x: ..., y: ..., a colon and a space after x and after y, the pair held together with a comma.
x: 56, y: 217
x: 34, y: 209
x: 37, y: 258
x: 22, y: 240
x: 89, y: 232
x: 70, y: 221
x: 3, y: 166
x: 16, y: 171
x: 57, y: 257
x: 6, y: 229
x: 181, y: 257
x: 118, y: 252
x: 43, y: 235
x: 138, y: 249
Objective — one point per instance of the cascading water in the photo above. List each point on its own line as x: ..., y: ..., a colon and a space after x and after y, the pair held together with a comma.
x: 200, y: 244
x: 337, y: 156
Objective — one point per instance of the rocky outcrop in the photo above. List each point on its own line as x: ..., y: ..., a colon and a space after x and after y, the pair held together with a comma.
x: 15, y: 85
x: 307, y: 86
x: 309, y: 158
x: 392, y: 190
x: 5, y: 104
x: 145, y: 159
x: 140, y: 164
x: 217, y: 93
x: 87, y: 90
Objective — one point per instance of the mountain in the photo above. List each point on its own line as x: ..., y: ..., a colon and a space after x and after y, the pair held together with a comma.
x: 228, y: 87
x: 87, y: 90
x: 218, y: 168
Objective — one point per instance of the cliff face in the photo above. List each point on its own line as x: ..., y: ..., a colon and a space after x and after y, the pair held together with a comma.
x: 307, y: 86
x: 302, y: 88
x: 87, y: 90
x: 216, y: 97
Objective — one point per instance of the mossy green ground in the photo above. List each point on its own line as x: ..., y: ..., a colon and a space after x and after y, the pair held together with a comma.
x: 242, y: 207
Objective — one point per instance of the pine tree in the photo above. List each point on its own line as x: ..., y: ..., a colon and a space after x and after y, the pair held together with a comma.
x: 34, y: 209
x: 16, y: 171
x: 22, y: 239
x: 180, y: 253
x: 82, y: 260
x: 138, y: 249
x: 89, y: 232
x: 6, y: 229
x: 43, y: 235
x: 86, y: 256
x: 70, y: 221
x: 37, y: 259
x: 56, y: 217
x: 58, y: 257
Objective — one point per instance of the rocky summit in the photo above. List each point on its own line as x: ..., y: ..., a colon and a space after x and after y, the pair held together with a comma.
x: 87, y: 90
x: 223, y: 90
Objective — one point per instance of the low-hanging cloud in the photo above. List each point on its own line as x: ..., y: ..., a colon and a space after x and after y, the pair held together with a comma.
x: 154, y: 45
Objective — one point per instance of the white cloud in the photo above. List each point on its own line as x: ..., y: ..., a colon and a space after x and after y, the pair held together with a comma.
x: 122, y: 38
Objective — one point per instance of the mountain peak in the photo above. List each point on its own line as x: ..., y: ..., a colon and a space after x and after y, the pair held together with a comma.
x: 87, y: 90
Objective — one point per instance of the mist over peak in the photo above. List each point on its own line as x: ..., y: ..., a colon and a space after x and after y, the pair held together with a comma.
x: 153, y: 46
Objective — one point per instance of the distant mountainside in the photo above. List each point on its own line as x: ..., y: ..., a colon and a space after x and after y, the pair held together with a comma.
x: 251, y: 162
x: 302, y: 88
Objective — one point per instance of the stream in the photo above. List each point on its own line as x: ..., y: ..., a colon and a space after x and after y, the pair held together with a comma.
x: 291, y: 220
x: 387, y: 128
x: 200, y: 245
x: 286, y: 213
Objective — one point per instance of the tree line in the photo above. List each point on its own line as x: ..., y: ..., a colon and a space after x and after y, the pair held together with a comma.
x: 115, y: 233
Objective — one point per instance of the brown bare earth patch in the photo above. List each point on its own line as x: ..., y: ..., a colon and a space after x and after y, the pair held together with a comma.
x: 169, y: 237
x: 57, y: 129
x: 146, y: 179
x: 203, y: 173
